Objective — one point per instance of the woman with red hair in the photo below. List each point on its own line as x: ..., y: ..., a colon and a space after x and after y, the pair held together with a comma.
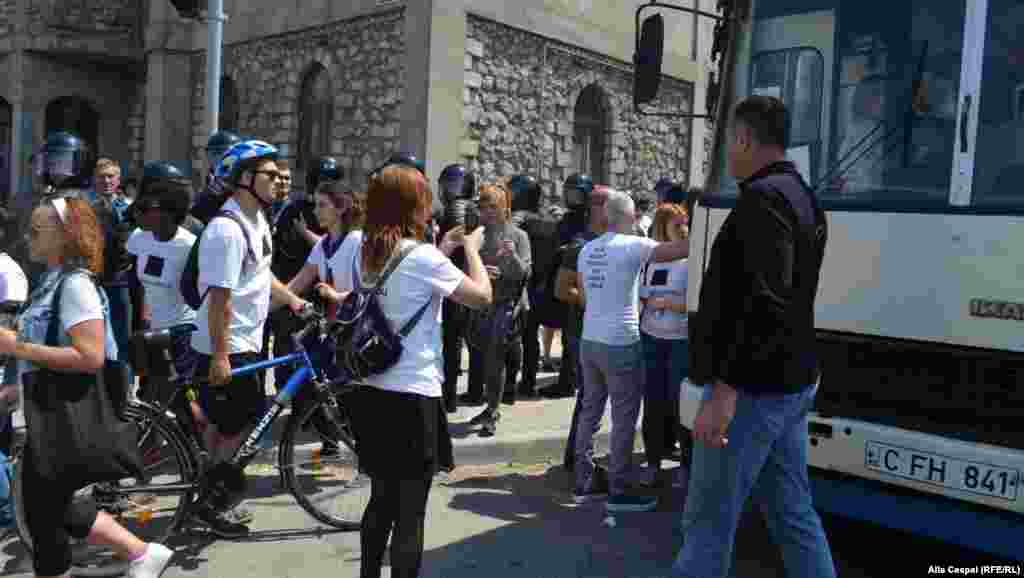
x: 400, y: 425
x: 66, y: 237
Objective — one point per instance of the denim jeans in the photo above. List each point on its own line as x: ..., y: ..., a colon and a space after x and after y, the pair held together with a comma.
x: 667, y: 362
x: 766, y: 458
x: 615, y: 372
x: 6, y: 506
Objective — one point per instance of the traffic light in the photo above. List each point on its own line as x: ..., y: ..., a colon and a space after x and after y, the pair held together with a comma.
x: 187, y: 8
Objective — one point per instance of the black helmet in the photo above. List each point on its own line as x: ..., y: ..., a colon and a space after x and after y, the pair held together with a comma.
x: 662, y: 187
x: 163, y: 189
x: 457, y: 182
x: 63, y: 160
x: 161, y: 170
x: 402, y: 158
x: 327, y: 169
x: 526, y: 193
x: 218, y: 143
x: 576, y: 190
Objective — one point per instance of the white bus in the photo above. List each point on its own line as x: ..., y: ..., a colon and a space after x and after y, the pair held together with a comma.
x: 907, y: 116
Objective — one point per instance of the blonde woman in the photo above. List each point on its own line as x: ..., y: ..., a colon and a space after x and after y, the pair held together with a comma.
x: 663, y: 333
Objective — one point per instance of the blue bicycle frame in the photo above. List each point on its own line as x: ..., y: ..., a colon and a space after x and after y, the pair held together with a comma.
x: 298, y: 378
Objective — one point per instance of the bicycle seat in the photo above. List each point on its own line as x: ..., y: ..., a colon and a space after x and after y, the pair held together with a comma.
x: 151, y: 351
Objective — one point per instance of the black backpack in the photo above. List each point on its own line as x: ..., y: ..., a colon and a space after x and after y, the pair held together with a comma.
x: 189, y: 286
x: 364, y: 341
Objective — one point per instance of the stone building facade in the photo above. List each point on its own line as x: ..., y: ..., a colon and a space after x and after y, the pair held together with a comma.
x: 537, y: 86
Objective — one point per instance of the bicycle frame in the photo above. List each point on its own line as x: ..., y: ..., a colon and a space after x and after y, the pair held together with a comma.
x: 248, y: 450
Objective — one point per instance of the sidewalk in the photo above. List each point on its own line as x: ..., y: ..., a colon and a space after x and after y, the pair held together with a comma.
x: 530, y: 432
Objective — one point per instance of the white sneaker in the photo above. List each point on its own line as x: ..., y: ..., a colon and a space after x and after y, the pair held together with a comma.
x: 152, y: 563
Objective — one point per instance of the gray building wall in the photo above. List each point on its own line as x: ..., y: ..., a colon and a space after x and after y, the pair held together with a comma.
x: 520, y: 98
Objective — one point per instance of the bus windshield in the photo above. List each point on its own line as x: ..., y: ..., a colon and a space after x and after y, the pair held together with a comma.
x: 887, y: 107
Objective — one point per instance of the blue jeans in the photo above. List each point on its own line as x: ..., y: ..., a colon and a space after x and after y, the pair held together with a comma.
x: 121, y: 321
x: 767, y: 458
x: 667, y: 362
x: 6, y: 506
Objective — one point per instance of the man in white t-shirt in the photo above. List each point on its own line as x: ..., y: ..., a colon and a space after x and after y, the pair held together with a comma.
x: 610, y: 354
x: 238, y: 288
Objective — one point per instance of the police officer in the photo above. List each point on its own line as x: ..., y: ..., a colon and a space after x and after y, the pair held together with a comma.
x: 62, y: 166
x: 542, y: 230
x: 573, y: 232
x: 212, y: 197
x: 457, y: 192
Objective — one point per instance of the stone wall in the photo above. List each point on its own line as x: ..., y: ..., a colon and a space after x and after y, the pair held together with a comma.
x: 7, y: 9
x: 520, y: 96
x: 364, y: 61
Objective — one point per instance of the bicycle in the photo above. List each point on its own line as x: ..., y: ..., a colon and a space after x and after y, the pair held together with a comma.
x: 177, y: 466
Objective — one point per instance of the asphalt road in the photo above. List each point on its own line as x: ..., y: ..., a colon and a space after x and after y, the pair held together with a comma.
x: 519, y: 521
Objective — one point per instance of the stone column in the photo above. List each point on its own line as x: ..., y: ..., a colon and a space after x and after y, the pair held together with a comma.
x: 167, y: 93
x: 435, y: 43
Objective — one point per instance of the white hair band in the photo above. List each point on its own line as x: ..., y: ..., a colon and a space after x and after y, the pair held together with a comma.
x: 61, y: 206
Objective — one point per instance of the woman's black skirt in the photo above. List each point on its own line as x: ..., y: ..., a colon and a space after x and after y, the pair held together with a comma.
x: 400, y: 435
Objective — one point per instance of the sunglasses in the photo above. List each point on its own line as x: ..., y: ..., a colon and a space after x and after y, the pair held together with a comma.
x: 274, y: 175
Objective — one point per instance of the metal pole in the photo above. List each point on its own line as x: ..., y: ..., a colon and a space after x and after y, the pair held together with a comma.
x: 215, y: 20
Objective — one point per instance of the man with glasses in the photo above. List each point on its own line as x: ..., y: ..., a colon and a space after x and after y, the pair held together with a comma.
x: 238, y: 288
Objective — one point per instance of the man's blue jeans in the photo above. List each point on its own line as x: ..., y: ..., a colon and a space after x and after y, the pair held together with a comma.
x: 6, y: 506
x: 766, y: 457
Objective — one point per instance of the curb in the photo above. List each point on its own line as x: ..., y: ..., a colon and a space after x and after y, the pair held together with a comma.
x: 545, y: 446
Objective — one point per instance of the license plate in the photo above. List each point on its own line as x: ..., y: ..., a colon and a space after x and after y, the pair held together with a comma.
x: 974, y: 477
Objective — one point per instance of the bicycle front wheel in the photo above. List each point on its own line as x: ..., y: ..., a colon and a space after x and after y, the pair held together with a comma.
x: 321, y: 469
x: 150, y: 508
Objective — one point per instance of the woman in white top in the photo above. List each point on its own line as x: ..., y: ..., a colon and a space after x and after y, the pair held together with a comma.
x: 663, y: 333
x: 340, y: 212
x: 161, y: 246
x: 401, y: 427
x: 67, y: 238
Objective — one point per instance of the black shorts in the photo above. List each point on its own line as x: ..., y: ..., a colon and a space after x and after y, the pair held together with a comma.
x: 237, y: 404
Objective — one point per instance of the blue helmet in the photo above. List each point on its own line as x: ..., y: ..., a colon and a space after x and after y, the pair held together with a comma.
x: 405, y: 159
x: 662, y: 187
x: 576, y: 189
x: 229, y: 169
x: 327, y: 170
x: 526, y: 193
x: 457, y: 182
x: 64, y: 156
x: 218, y: 144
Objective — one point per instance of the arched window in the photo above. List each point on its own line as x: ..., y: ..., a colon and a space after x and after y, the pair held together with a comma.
x: 77, y: 115
x: 590, y: 128
x: 315, y: 114
x: 228, y: 119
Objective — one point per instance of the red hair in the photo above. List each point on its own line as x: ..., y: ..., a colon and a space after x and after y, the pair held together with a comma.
x: 397, y: 206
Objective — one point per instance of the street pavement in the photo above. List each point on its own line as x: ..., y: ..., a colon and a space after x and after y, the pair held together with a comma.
x: 507, y: 511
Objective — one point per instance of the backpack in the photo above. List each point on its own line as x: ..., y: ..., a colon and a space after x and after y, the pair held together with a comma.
x: 364, y: 342
x: 189, y: 286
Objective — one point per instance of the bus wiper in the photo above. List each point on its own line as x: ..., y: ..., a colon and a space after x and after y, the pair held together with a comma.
x: 915, y: 86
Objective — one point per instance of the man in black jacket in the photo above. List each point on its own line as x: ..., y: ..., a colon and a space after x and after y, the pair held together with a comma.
x: 753, y: 350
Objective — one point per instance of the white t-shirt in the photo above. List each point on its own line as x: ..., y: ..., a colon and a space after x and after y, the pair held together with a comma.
x: 610, y: 266
x: 664, y: 280
x: 425, y: 274
x: 342, y: 260
x: 222, y: 249
x: 159, y: 265
x: 13, y: 282
x: 328, y: 268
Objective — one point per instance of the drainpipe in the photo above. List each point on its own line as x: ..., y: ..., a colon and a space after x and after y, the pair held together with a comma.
x: 215, y: 20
